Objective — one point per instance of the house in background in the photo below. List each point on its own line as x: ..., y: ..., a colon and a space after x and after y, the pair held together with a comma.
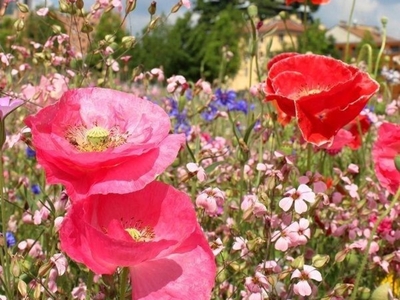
x: 274, y: 38
x: 356, y: 34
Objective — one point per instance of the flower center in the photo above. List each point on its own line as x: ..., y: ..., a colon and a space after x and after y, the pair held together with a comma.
x: 145, y: 234
x: 95, y: 139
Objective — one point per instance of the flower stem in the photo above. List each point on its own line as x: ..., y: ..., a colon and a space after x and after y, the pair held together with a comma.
x: 123, y: 283
x: 378, y: 59
x: 5, y: 262
x: 374, y: 229
x: 346, y: 52
x: 89, y: 285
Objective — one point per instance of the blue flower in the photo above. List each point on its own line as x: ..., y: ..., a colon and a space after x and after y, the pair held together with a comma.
x: 10, y: 239
x: 225, y: 98
x: 35, y: 188
x: 240, y: 105
x: 30, y: 153
x: 210, y: 112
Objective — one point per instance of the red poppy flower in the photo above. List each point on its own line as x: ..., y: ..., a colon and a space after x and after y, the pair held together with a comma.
x: 154, y: 232
x: 317, y: 2
x: 384, y: 152
x: 100, y: 141
x: 323, y: 93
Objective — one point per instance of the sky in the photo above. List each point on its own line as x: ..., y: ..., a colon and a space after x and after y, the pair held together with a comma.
x: 368, y: 12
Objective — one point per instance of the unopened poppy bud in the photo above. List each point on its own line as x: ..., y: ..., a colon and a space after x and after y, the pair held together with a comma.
x: 79, y: 4
x: 152, y: 8
x: 252, y: 10
x: 128, y: 41
x: 130, y: 5
x: 397, y: 162
x: 384, y: 21
x: 136, y: 71
x: 109, y: 8
x: 284, y: 15
x: 19, y: 25
x: 23, y: 7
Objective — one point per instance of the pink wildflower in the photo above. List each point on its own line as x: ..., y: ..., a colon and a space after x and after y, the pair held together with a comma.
x: 302, y: 287
x: 299, y: 196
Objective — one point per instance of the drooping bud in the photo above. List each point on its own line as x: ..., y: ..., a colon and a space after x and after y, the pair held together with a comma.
x: 319, y: 261
x: 298, y: 263
x: 152, y: 8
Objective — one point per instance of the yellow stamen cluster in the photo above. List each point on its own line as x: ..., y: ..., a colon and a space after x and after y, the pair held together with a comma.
x: 95, y: 139
x: 145, y: 234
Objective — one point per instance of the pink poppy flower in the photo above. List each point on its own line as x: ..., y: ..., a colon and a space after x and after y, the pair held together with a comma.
x: 384, y: 152
x: 100, y: 141
x: 154, y: 232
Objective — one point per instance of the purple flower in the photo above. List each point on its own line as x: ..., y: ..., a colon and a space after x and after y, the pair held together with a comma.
x: 240, y: 105
x: 210, y: 112
x: 30, y: 153
x: 7, y: 105
x: 225, y: 98
x: 10, y: 239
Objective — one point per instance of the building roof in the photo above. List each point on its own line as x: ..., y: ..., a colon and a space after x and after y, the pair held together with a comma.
x: 278, y: 25
x: 357, y: 33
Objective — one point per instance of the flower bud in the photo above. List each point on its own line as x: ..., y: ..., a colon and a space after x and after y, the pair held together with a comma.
x: 252, y: 10
x: 128, y: 41
x: 64, y: 6
x: 86, y: 28
x: 79, y: 4
x: 176, y: 7
x: 130, y: 6
x: 284, y: 15
x: 298, y: 263
x: 23, y: 7
x: 319, y: 261
x: 109, y: 38
x: 19, y: 25
x: 384, y: 21
x: 153, y: 23
x: 152, y: 8
x: 22, y: 288
x: 56, y: 29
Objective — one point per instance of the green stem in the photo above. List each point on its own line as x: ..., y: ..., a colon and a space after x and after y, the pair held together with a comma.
x: 5, y: 259
x: 346, y: 52
x: 123, y: 283
x: 371, y: 238
x: 89, y: 285
x: 378, y: 59
x: 289, y: 34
